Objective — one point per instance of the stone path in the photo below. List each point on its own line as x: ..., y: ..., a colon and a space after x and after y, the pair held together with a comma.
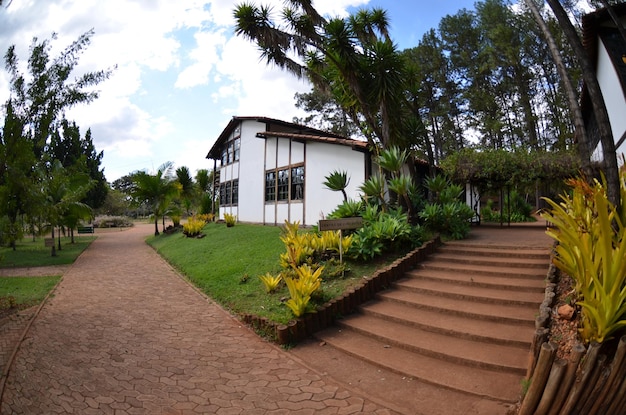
x: 124, y: 334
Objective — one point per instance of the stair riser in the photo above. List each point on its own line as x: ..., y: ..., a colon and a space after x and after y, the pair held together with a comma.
x: 485, y: 300
x: 435, y: 354
x: 467, y: 336
x: 495, y: 253
x: 485, y: 262
x: 499, y: 319
x: 423, y: 379
x: 486, y: 272
x: 505, y: 287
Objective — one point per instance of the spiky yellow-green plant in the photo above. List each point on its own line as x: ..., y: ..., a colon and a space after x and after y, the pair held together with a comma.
x: 302, y: 287
x: 270, y: 281
x: 592, y: 250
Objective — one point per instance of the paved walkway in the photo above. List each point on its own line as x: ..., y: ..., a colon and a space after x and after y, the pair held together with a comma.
x: 124, y: 334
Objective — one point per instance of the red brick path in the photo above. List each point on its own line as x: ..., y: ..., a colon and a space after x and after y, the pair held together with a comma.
x: 124, y: 334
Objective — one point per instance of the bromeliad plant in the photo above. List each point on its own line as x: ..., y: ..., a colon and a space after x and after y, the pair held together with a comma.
x: 591, y: 249
x: 302, y: 287
x: 270, y: 281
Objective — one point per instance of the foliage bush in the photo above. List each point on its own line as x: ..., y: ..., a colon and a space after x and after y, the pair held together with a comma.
x: 520, y: 210
x: 445, y: 214
x: 382, y: 232
x: 591, y: 236
x: 348, y: 209
x: 230, y: 219
x: 301, y: 262
x: 193, y: 227
x: 112, y: 222
x: 207, y: 217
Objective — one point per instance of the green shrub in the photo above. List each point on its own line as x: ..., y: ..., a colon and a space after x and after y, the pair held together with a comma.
x: 193, y: 227
x: 348, y: 209
x: 230, y: 220
x: 112, y: 222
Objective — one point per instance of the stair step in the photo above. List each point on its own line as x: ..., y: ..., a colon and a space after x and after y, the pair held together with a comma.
x: 534, y: 284
x: 497, y: 251
x: 486, y: 355
x: 452, y: 325
x: 512, y: 314
x: 467, y: 292
x: 502, y: 262
x: 475, y: 381
x: 467, y: 269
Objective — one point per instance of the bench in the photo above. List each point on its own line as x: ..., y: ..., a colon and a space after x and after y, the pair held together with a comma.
x: 85, y: 229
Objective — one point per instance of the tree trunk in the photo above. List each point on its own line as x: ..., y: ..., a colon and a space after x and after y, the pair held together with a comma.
x: 54, y: 252
x: 599, y: 108
x: 156, y: 225
x: 570, y: 92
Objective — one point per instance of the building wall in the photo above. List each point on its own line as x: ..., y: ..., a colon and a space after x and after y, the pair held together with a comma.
x: 258, y: 155
x: 613, y: 98
x: 321, y: 160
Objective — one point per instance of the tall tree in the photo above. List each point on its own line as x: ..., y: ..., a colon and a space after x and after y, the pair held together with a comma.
x: 17, y: 190
x: 353, y: 60
x: 568, y: 87
x: 79, y: 154
x: 41, y: 98
x: 597, y: 100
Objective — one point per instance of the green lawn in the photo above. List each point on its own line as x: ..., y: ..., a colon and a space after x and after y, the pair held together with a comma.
x: 227, y: 263
x: 31, y: 253
x: 23, y: 292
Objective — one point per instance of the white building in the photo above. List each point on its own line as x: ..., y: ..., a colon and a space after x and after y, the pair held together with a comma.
x: 607, y: 48
x: 271, y: 171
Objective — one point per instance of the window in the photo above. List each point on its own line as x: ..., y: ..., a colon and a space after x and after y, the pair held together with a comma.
x: 231, y: 151
x: 284, y: 184
x: 270, y: 186
x: 297, y: 183
x: 235, y: 190
x: 229, y: 193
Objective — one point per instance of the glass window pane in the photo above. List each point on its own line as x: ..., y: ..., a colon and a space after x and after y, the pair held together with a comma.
x: 235, y: 196
x: 283, y: 184
x: 297, y: 183
x: 270, y: 186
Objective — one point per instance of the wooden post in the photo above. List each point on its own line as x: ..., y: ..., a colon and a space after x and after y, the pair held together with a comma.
x: 541, y: 334
x: 579, y: 386
x: 552, y: 386
x: 539, y: 379
x: 568, y: 379
x: 597, y: 381
x: 612, y: 384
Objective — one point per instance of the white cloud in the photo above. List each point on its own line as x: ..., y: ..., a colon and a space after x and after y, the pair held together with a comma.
x: 173, y: 58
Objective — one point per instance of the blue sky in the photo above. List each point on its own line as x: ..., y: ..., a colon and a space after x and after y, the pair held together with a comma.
x: 181, y: 73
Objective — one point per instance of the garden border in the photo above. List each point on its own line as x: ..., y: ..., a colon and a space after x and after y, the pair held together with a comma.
x: 589, y: 382
x: 324, y: 316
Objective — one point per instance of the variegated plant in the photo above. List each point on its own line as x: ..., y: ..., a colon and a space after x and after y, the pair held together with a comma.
x: 592, y: 250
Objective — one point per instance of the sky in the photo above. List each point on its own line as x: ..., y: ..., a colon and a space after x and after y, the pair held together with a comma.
x: 180, y: 72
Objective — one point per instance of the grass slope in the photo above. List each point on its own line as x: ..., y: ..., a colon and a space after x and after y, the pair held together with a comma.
x: 227, y: 262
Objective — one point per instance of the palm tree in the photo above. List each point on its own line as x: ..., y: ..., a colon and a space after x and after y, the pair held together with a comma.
x: 156, y: 190
x: 338, y: 181
x: 62, y: 195
x: 352, y: 60
x: 187, y: 187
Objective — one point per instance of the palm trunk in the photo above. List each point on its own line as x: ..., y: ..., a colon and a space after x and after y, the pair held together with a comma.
x: 156, y: 225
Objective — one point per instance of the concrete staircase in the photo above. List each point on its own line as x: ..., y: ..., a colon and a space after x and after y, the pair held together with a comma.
x: 462, y: 321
